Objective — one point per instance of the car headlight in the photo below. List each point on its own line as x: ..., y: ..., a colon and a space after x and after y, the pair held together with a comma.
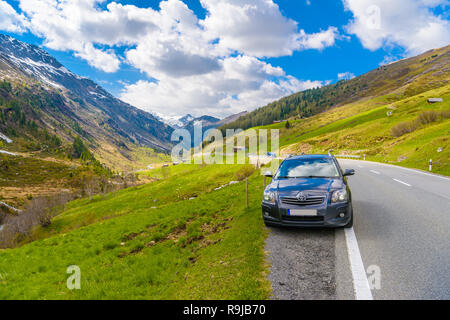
x: 339, y: 196
x: 270, y: 196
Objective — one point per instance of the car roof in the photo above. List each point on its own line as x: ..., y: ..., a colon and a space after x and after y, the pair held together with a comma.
x: 310, y: 156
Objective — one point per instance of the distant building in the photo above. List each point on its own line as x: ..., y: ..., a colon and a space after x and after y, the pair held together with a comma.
x: 435, y: 100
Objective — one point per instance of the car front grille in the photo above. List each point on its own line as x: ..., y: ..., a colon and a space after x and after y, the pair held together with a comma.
x: 309, y: 201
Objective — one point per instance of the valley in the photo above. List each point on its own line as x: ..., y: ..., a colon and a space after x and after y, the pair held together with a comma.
x: 95, y: 186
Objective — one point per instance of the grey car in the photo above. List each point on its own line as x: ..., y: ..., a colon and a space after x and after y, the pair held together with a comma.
x: 309, y: 191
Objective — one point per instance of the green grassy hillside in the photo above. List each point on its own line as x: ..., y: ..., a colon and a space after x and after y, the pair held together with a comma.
x: 395, y: 81
x: 365, y: 128
x: 175, y: 238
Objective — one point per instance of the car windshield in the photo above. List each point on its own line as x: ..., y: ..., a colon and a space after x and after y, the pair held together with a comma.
x: 308, y: 168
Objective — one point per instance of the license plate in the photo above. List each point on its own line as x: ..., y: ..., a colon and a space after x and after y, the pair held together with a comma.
x: 301, y: 213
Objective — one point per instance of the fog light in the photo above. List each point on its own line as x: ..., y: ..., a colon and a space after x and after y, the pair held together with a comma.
x: 266, y: 214
x: 341, y: 214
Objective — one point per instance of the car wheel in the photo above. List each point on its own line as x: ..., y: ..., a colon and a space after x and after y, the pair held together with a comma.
x: 350, y: 223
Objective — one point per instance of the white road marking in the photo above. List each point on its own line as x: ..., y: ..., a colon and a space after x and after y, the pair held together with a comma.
x: 360, y: 166
x: 407, y: 169
x: 399, y: 181
x: 360, y: 283
x: 373, y: 171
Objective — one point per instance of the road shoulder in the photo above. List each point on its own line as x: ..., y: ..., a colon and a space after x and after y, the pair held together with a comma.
x: 344, y: 282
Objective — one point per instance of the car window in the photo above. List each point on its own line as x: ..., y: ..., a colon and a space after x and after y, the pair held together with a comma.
x: 299, y: 168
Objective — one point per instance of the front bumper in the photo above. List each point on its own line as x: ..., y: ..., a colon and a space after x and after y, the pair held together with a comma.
x: 327, y: 216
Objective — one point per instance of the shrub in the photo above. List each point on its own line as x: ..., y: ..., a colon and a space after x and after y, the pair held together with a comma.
x: 38, y: 212
x: 244, y: 172
x: 287, y: 125
x: 444, y: 114
x: 427, y: 117
x: 404, y: 128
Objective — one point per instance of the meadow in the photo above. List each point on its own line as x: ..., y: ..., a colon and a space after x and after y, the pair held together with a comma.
x: 176, y: 238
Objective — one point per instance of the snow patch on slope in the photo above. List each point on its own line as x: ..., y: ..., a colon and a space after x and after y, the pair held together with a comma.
x: 5, y: 138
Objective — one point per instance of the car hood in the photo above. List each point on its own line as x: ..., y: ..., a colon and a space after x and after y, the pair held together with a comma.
x: 293, y: 186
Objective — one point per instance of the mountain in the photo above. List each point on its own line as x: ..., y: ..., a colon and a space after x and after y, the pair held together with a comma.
x: 208, y: 122
x: 403, y: 78
x: 183, y: 121
x: 406, y: 124
x: 175, y: 122
x: 41, y: 92
x: 232, y: 118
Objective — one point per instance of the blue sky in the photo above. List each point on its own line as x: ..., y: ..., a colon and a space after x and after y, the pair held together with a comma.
x: 220, y: 57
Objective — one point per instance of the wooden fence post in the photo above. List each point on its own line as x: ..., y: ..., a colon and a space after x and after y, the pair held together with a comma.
x: 246, y: 190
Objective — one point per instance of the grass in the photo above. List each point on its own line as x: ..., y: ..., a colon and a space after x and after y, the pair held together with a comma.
x: 364, y: 128
x: 210, y: 247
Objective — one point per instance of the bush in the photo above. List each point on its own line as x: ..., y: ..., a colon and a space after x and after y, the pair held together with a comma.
x: 423, y: 119
x: 287, y: 125
x: 244, y: 172
x: 427, y: 117
x: 444, y: 114
x: 38, y: 212
x: 404, y: 128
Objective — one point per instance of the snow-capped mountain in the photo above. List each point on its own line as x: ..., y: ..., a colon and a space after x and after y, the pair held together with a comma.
x: 79, y: 100
x: 175, y: 122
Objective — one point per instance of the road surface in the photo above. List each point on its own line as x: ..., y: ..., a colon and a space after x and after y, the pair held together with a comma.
x: 402, y: 224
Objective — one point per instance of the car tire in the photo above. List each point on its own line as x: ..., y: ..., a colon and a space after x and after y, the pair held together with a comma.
x: 350, y: 223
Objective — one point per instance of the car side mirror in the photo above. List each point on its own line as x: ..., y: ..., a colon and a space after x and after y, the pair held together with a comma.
x: 268, y: 174
x: 349, y: 172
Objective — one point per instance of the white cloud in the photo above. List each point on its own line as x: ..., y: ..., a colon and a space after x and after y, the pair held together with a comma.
x: 410, y: 24
x: 78, y: 25
x: 10, y: 20
x: 345, y: 75
x: 319, y: 40
x: 211, y: 65
x: 241, y: 84
x: 258, y: 28
x: 103, y: 60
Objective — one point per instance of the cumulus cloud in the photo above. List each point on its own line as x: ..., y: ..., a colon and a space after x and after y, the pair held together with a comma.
x: 10, y: 20
x: 212, y: 65
x: 241, y: 83
x: 79, y: 25
x: 410, y: 24
x: 258, y: 28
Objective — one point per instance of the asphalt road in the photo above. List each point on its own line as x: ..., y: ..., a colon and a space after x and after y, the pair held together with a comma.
x: 402, y: 224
